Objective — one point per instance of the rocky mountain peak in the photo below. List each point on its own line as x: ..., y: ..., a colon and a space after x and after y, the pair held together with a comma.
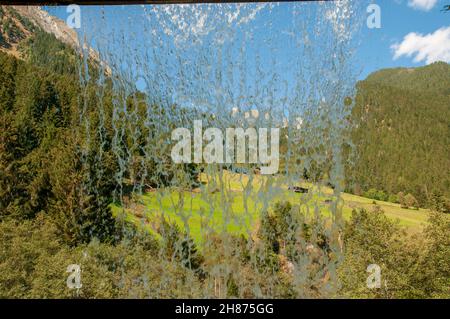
x: 49, y: 24
x: 19, y: 22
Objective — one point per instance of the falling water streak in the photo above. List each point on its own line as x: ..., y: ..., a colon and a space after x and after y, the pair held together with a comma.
x: 185, y: 57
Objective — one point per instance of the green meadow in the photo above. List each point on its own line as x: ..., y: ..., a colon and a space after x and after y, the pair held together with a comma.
x: 232, y: 203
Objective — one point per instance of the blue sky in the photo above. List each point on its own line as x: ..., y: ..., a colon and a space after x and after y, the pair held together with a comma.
x: 398, y: 19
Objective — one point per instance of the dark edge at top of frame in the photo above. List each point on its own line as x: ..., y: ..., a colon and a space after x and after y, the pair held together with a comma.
x: 132, y: 2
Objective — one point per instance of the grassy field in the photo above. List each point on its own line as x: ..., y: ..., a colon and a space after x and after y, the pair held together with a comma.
x: 232, y: 203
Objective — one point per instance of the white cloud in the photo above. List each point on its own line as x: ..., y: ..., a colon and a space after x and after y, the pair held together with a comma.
x: 425, y: 5
x: 430, y: 48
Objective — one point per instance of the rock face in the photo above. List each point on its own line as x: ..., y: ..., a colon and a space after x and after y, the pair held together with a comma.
x: 49, y: 24
x: 11, y: 17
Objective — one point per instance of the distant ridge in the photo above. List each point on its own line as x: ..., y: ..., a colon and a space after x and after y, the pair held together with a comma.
x: 432, y: 77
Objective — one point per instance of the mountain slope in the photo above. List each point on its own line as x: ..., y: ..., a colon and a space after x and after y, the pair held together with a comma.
x: 20, y: 24
x: 41, y: 167
x: 402, y: 132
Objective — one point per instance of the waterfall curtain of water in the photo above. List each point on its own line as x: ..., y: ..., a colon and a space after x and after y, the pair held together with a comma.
x: 270, y: 65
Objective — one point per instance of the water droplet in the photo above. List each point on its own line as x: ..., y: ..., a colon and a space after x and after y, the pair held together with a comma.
x: 141, y: 84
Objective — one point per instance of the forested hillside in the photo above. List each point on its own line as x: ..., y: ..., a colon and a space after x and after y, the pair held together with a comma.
x: 57, y: 172
x: 40, y: 158
x: 51, y: 160
x: 402, y: 134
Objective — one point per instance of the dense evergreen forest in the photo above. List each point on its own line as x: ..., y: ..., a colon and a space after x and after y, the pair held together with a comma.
x: 56, y: 195
x: 40, y: 158
x: 401, y: 136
